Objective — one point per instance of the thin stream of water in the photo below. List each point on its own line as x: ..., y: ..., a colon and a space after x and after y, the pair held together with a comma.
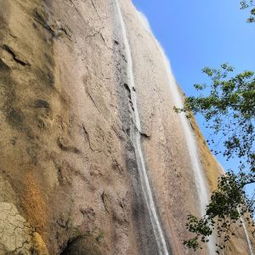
x: 201, y: 184
x: 200, y: 181
x: 247, y: 237
x: 136, y: 138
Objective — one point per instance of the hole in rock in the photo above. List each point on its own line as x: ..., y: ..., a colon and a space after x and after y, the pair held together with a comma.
x: 85, y: 245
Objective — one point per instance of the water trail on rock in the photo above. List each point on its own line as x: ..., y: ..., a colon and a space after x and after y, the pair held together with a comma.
x: 247, y: 237
x: 136, y: 139
x: 200, y: 181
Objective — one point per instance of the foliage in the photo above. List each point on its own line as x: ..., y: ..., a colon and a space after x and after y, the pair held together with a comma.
x: 249, y: 4
x: 229, y: 109
x: 228, y: 208
x: 228, y: 106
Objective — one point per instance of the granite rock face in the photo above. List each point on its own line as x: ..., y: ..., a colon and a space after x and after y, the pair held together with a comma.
x: 69, y: 182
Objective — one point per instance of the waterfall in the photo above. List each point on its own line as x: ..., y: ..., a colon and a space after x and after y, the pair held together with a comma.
x: 136, y: 139
x: 201, y: 185
x: 200, y: 182
x: 247, y: 237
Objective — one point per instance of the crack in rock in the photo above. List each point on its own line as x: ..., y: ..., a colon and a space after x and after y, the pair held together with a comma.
x: 15, y: 57
x: 63, y: 144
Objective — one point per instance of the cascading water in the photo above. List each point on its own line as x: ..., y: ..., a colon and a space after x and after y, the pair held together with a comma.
x: 190, y: 140
x: 247, y: 238
x: 201, y: 184
x: 136, y: 139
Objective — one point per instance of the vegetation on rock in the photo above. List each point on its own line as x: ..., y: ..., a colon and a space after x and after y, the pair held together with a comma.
x: 228, y: 105
x: 229, y: 109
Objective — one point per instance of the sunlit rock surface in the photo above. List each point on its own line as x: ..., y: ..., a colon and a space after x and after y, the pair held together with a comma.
x: 69, y: 182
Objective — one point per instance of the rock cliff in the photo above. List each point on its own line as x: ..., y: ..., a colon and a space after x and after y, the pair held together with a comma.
x: 70, y: 181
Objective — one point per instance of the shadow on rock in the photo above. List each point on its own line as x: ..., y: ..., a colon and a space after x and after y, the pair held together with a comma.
x: 82, y: 246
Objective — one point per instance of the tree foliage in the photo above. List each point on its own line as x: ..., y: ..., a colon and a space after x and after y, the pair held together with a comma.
x: 229, y: 109
x: 228, y: 208
x: 228, y: 106
x: 249, y: 4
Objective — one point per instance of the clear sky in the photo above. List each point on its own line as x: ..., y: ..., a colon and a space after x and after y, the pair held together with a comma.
x: 201, y: 33
x: 198, y: 33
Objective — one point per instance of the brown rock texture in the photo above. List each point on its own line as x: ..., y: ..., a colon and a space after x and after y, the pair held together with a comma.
x: 69, y: 181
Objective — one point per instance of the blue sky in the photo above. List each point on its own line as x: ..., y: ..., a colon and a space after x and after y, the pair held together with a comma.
x: 204, y: 33
x: 201, y: 33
